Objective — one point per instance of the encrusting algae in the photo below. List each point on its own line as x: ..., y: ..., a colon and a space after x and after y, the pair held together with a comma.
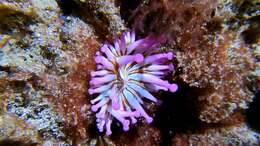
x: 49, y: 50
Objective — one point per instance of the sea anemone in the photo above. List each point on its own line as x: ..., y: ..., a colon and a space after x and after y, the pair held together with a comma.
x: 125, y: 74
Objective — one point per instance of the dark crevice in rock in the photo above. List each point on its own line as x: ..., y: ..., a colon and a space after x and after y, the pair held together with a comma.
x: 127, y: 7
x: 15, y: 143
x: 253, y: 112
x: 68, y: 7
x: 177, y: 114
x: 252, y: 34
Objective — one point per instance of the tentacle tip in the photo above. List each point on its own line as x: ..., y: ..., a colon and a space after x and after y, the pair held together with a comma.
x: 94, y: 108
x: 126, y: 128
x: 173, y: 87
x: 126, y: 125
x: 171, y: 67
x: 149, y: 120
x: 108, y: 132
x: 92, y: 101
x: 97, y: 59
x: 139, y: 58
x: 100, y: 129
x: 156, y: 101
x: 170, y: 55
x: 92, y: 73
x: 99, y: 66
x: 134, y: 120
x: 90, y: 91
x: 98, y: 53
x: 94, y: 82
x: 102, y: 49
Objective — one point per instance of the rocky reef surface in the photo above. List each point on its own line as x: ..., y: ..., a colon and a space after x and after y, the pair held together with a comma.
x: 46, y: 56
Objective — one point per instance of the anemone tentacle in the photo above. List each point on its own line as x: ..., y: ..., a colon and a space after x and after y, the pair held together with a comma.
x: 126, y: 74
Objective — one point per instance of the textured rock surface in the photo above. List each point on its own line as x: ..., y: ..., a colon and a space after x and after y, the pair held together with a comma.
x: 212, y: 51
x: 46, y: 55
x: 237, y: 135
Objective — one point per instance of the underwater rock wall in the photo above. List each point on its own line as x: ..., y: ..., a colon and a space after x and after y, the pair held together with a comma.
x: 47, y: 51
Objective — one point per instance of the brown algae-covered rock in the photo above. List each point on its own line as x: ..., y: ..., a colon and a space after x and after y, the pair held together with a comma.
x: 46, y: 55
